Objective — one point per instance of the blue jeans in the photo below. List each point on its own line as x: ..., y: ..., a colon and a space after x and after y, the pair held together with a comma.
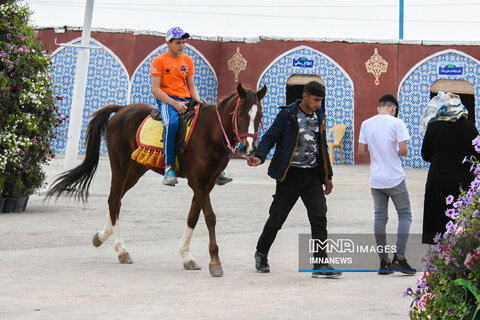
x: 170, y: 123
x: 399, y: 195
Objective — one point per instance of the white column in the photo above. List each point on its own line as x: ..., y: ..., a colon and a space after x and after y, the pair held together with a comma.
x: 79, y: 86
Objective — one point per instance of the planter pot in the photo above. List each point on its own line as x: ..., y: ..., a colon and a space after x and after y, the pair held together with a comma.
x: 2, y: 202
x: 9, y: 204
x: 20, y: 203
x: 25, y: 205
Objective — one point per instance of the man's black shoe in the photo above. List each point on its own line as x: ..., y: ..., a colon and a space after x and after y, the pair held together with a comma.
x: 325, y: 270
x: 261, y: 262
x: 385, y: 267
x: 401, y: 264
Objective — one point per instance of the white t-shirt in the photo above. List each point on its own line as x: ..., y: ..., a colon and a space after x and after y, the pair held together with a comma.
x: 382, y: 133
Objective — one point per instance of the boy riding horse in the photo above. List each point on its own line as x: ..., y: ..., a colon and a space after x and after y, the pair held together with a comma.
x: 172, y: 85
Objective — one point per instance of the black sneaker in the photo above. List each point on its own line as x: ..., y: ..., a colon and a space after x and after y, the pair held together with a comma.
x: 261, y: 262
x: 223, y: 179
x: 385, y: 267
x: 401, y: 264
x: 325, y: 270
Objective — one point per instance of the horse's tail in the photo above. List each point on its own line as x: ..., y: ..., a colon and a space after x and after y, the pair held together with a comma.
x: 76, y: 182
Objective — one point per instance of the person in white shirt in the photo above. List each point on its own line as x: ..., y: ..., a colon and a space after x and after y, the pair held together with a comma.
x: 385, y: 137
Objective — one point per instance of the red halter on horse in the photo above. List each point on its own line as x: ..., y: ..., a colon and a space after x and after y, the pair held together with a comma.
x: 219, y: 130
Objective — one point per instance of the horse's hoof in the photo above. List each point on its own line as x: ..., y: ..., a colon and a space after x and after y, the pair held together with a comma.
x: 96, y: 240
x: 216, y: 270
x: 125, y: 258
x: 191, y: 265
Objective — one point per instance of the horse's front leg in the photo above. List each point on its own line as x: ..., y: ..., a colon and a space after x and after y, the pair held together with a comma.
x: 189, y: 262
x: 202, y: 196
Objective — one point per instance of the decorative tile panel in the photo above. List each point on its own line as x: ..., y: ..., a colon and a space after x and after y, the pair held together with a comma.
x: 339, y: 93
x: 204, y: 77
x: 414, y: 94
x: 107, y: 84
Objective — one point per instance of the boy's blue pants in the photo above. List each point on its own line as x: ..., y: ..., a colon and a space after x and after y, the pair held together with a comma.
x: 170, y: 122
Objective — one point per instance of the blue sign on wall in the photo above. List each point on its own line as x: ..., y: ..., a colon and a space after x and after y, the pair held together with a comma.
x: 303, y: 61
x: 451, y: 69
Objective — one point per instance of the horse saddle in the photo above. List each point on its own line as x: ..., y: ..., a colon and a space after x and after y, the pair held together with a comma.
x: 150, y: 138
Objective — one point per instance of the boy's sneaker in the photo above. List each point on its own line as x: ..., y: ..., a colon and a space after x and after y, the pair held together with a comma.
x: 261, y: 262
x: 170, y: 179
x: 401, y: 264
x: 223, y: 179
x: 385, y: 267
x: 325, y: 270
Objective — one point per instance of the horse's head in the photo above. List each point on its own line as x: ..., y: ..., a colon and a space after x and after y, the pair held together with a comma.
x: 249, y: 119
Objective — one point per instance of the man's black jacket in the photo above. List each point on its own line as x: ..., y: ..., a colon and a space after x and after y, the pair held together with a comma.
x: 284, y: 133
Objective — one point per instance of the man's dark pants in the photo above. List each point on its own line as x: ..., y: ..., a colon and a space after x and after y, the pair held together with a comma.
x: 306, y: 184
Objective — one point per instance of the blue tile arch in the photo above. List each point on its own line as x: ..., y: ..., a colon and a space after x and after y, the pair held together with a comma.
x: 107, y: 83
x: 414, y: 94
x: 205, y: 78
x: 339, y: 98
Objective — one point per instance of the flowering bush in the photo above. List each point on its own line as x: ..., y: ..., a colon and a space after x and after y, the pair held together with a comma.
x: 449, y: 287
x: 27, y: 113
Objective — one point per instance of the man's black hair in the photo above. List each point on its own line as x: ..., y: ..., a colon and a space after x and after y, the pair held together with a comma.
x: 314, y: 88
x: 386, y: 99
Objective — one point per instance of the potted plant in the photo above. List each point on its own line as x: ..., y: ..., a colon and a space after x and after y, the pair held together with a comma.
x: 450, y: 287
x: 28, y: 115
x: 2, y: 199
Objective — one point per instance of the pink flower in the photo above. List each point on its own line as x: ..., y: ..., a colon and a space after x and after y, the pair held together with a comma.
x: 421, y: 304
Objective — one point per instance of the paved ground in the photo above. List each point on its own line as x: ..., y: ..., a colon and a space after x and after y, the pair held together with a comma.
x: 50, y: 270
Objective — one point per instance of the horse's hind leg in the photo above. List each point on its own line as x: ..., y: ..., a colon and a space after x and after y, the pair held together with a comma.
x: 100, y: 237
x: 109, y: 229
x: 189, y: 262
x: 120, y: 184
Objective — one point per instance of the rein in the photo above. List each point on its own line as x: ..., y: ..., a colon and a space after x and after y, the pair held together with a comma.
x: 238, y: 136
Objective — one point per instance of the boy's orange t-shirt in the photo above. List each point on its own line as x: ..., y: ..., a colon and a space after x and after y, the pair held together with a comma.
x: 174, y: 73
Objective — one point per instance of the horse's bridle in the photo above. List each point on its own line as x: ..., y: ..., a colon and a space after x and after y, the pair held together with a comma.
x: 238, y: 136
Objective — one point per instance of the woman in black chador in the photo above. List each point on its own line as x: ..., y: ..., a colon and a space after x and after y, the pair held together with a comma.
x: 447, y: 141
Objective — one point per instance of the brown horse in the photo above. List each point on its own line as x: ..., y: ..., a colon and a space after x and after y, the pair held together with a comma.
x: 219, y: 130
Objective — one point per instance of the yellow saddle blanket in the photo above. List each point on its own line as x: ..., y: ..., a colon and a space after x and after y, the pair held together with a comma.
x: 150, y: 141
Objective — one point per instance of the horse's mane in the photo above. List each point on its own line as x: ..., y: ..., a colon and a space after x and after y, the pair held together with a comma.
x: 226, y: 100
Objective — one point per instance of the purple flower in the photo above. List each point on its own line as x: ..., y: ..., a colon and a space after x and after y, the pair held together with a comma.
x: 449, y: 212
x: 455, y: 215
x: 477, y: 234
x: 475, y: 183
x: 407, y: 292
x: 449, y: 226
x: 476, y: 213
x: 449, y: 199
x: 437, y: 237
x: 476, y: 141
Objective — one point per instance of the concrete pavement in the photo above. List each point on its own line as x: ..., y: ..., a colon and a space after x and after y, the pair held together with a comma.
x: 50, y: 270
